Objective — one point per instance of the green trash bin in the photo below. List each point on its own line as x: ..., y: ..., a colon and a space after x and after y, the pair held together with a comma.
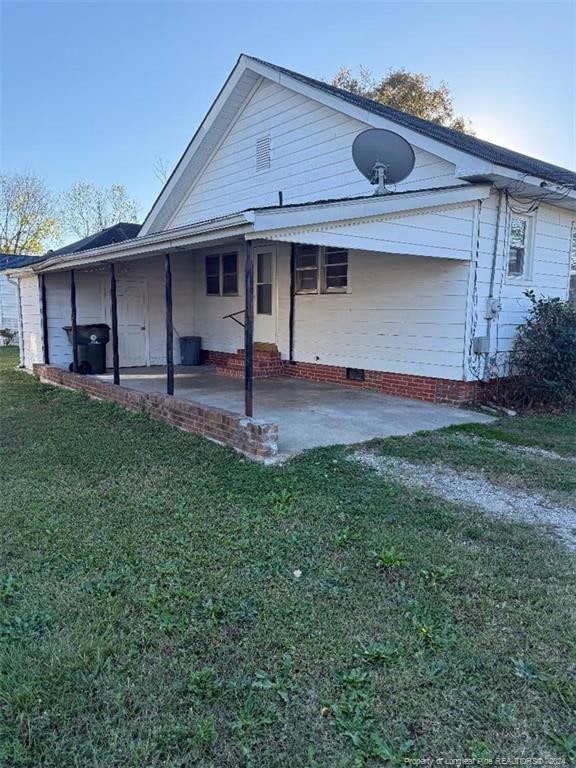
x: 91, y: 343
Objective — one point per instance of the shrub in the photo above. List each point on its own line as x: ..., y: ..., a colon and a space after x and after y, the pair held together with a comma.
x: 7, y: 337
x: 543, y: 358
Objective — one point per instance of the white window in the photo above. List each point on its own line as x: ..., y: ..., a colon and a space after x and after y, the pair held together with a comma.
x: 573, y: 249
x: 264, y: 283
x: 519, y: 236
x: 320, y: 269
x: 222, y: 274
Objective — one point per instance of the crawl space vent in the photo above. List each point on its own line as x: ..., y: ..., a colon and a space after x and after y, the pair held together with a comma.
x: 263, y: 153
x: 355, y: 374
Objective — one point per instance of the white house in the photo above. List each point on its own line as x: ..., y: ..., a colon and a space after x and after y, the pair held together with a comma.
x: 417, y: 292
x: 9, y: 306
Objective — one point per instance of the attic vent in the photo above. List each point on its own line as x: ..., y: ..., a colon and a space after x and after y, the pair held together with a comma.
x: 263, y: 153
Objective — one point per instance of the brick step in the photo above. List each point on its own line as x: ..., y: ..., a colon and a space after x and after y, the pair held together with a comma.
x: 260, y: 354
x: 236, y: 362
x: 260, y: 371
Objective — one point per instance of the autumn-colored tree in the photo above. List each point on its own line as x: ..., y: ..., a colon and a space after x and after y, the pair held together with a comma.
x: 29, y: 222
x: 87, y: 208
x: 407, y: 91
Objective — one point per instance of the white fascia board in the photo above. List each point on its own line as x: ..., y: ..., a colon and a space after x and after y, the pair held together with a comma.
x: 195, y: 142
x: 236, y: 225
x: 504, y: 177
x: 365, y: 208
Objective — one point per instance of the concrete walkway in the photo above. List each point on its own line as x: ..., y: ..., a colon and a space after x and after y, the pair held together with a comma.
x: 308, y: 415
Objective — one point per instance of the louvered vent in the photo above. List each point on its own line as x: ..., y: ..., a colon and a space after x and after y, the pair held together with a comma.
x: 263, y: 153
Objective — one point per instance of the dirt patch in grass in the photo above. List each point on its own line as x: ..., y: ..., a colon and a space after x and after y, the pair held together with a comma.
x: 518, y: 450
x: 474, y: 490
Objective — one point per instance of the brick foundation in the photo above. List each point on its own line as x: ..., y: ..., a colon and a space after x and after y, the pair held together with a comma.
x: 249, y: 436
x: 401, y: 384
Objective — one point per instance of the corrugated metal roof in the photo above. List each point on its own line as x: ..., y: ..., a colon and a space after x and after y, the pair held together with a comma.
x: 388, y: 196
x: 462, y: 141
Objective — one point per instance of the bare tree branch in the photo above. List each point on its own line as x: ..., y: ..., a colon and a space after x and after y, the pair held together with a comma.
x: 87, y: 208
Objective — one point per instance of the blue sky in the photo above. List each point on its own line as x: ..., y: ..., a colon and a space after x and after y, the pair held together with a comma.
x: 100, y: 91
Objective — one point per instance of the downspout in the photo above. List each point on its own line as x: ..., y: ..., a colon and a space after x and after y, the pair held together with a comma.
x: 489, y: 301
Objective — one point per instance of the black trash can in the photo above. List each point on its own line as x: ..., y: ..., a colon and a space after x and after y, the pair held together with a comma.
x: 91, y: 342
x: 190, y: 350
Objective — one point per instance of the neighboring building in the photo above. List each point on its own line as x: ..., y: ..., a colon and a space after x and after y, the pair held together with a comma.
x: 9, y: 312
x: 116, y: 233
x: 418, y: 292
x: 573, y: 268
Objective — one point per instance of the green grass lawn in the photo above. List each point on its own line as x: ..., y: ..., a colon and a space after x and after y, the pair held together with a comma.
x: 150, y: 615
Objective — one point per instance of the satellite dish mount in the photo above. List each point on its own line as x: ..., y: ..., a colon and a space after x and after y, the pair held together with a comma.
x: 383, y: 157
x: 379, y: 173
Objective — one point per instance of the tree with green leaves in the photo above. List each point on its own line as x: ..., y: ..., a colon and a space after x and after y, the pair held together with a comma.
x: 29, y: 221
x: 87, y: 208
x: 410, y: 92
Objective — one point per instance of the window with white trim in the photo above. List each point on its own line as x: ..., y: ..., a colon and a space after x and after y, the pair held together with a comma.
x: 519, y: 246
x: 320, y: 269
x: 222, y: 274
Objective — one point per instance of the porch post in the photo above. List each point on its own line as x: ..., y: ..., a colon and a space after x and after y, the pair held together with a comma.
x: 114, y: 316
x: 45, y: 348
x: 73, y: 322
x: 249, y: 331
x: 169, y: 327
x: 292, y: 303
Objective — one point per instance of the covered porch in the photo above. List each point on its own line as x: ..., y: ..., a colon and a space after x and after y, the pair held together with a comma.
x: 340, y: 292
x: 308, y: 414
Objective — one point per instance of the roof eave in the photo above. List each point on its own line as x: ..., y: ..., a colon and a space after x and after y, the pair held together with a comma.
x: 502, y: 177
x: 284, y: 217
x: 194, y: 235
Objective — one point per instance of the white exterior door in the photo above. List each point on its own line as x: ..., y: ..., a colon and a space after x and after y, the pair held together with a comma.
x: 265, y: 309
x: 132, y: 301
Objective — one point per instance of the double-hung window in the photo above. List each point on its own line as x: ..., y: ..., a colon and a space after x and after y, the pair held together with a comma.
x: 519, y: 236
x: 222, y: 274
x: 320, y: 269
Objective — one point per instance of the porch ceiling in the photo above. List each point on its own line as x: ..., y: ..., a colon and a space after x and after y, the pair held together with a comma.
x: 308, y: 415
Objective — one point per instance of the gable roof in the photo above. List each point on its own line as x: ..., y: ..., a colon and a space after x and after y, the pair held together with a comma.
x: 117, y: 233
x: 493, y: 162
x: 16, y: 261
x: 485, y: 150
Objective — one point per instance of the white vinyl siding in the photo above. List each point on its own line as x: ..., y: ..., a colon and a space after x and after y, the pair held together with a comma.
x: 549, y: 268
x: 31, y: 343
x: 404, y: 314
x: 93, y: 304
x: 8, y: 305
x: 312, y: 159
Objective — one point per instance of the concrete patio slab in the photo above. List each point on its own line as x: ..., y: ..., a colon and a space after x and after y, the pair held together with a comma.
x: 308, y: 415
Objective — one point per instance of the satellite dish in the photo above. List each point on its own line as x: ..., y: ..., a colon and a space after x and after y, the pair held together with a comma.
x: 383, y: 157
